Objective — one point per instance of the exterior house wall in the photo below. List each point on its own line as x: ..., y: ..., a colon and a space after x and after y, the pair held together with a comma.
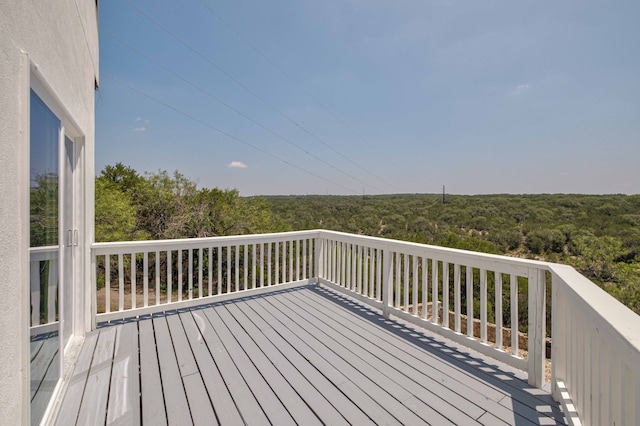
x: 59, y: 39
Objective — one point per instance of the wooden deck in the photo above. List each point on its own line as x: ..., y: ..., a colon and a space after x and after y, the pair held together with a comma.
x: 301, y: 356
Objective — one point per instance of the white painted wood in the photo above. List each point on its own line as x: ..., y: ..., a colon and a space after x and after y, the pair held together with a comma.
x: 180, y: 282
x: 169, y: 275
x: 498, y: 310
x: 414, y: 287
x: 445, y: 294
x: 201, y: 272
x: 93, y: 409
x: 537, y: 327
x: 469, y: 280
x: 190, y: 273
x: 269, y: 264
x: 435, y: 297
x: 405, y: 284
x: 253, y: 264
x: 425, y: 286
x: 219, y: 264
x: 513, y: 285
x: 483, y: 305
x: 457, y: 297
x: 277, y: 263
x: 210, y: 271
x: 348, y: 261
x: 397, y: 280
x: 145, y: 278
x: 245, y: 281
x: 121, y: 279
x: 157, y: 259
x: 133, y: 280
x: 237, y: 268
x: 107, y: 284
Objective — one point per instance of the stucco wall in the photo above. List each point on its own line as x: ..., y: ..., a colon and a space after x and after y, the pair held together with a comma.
x: 60, y: 38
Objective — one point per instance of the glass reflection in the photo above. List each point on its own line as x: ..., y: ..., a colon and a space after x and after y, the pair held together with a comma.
x: 43, y: 196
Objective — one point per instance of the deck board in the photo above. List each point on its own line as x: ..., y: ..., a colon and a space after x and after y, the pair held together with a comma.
x: 153, y: 408
x: 300, y: 356
x: 123, y: 410
x: 93, y: 408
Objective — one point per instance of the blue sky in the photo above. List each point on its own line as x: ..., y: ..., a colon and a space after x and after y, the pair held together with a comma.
x: 346, y: 96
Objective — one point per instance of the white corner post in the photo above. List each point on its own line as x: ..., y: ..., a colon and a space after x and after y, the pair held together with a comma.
x: 319, y: 260
x: 537, y: 327
x: 387, y: 284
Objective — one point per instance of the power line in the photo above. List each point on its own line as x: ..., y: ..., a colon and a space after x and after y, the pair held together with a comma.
x: 212, y: 96
x: 271, y: 106
x: 229, y: 135
x: 303, y: 90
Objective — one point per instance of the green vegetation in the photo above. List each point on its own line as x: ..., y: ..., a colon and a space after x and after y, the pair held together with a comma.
x: 597, y: 234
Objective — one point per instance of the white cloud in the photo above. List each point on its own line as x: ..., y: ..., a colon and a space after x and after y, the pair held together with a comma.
x: 520, y: 89
x: 141, y: 124
x: 237, y: 165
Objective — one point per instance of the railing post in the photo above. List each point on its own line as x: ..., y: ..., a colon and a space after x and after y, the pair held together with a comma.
x: 537, y: 327
x: 558, y: 339
x: 319, y: 260
x: 387, y: 285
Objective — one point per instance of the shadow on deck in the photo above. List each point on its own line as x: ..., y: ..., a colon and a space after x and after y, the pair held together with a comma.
x: 300, y: 356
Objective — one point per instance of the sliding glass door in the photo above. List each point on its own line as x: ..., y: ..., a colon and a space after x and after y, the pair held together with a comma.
x: 52, y: 242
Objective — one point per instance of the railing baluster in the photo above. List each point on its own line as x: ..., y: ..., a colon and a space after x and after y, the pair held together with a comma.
x: 219, y: 257
x: 284, y: 262
x: 228, y: 270
x: 405, y: 285
x: 483, y: 305
x: 262, y: 266
x: 245, y: 284
x: 425, y: 286
x: 457, y: 298
x: 435, y: 299
x: 498, y: 310
x: 514, y: 314
x: 305, y: 264
x: 379, y: 274
x: 277, y: 263
x: 398, y: 280
x: 200, y: 271
x: 237, y: 268
x: 268, y: 245
x: 180, y: 282
x: 134, y: 292
x: 145, y: 279
x: 210, y: 267
x: 107, y: 284
x: 365, y: 271
x: 291, y: 256
x: 169, y: 276
x: 445, y: 294
x: 121, y: 282
x: 253, y: 264
x: 414, y: 291
x: 469, y: 279
x: 297, y: 251
x: 157, y: 277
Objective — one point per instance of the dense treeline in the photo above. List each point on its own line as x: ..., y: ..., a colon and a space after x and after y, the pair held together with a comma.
x: 598, y: 235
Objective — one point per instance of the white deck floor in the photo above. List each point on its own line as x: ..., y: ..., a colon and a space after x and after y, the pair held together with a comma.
x: 300, y: 356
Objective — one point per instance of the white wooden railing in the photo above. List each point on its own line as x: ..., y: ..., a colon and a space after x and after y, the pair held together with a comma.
x: 44, y: 288
x: 478, y: 300
x: 143, y: 277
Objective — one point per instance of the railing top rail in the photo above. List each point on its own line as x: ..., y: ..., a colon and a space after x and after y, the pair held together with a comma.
x: 149, y: 245
x: 615, y: 322
x: 442, y: 253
